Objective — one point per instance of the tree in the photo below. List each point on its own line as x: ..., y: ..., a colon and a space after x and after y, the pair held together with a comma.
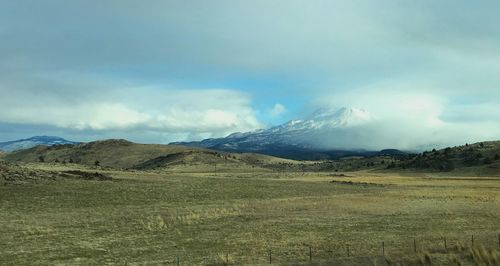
x: 497, y: 157
x: 391, y: 165
x: 97, y: 163
x: 488, y: 160
x: 41, y: 159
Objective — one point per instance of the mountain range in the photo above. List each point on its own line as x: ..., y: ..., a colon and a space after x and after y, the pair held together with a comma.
x: 325, y: 134
x: 22, y: 144
x: 313, y: 137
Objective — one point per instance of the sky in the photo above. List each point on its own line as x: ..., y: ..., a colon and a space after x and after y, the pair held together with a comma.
x: 162, y: 71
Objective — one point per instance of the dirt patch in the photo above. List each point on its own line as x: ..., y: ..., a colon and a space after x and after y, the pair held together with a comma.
x: 11, y: 173
x: 340, y: 175
x: 15, y: 174
x: 365, y: 184
x: 87, y: 175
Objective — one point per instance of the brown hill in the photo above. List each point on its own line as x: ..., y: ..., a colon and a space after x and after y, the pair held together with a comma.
x: 128, y: 155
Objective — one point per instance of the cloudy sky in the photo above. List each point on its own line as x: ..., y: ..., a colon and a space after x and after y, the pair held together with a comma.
x: 161, y: 71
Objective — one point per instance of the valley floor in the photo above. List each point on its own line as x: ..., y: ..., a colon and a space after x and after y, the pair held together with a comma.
x: 361, y: 218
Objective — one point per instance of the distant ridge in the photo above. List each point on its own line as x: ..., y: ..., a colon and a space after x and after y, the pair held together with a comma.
x: 21, y: 144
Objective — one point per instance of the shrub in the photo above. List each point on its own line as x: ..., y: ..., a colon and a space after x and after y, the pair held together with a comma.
x: 447, y: 166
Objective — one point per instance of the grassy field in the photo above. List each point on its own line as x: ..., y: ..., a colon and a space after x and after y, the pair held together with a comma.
x: 156, y: 217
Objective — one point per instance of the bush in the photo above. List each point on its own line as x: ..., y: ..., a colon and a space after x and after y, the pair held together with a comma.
x: 447, y: 166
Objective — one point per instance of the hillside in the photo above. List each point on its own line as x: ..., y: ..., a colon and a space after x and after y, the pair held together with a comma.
x: 482, y: 157
x: 128, y: 155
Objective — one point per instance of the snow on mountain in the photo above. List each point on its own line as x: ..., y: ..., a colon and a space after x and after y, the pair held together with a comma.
x: 22, y: 144
x: 325, y: 118
x: 324, y: 123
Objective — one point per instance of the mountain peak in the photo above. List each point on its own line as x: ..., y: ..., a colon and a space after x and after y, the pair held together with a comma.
x: 325, y: 128
x: 338, y: 112
x: 45, y: 138
x: 338, y: 117
x: 21, y: 144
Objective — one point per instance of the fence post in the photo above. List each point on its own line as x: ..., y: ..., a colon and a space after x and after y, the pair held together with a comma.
x: 414, y: 245
x: 472, y: 241
x: 383, y: 248
x: 270, y: 257
x: 348, y: 250
x: 227, y: 258
x: 445, y: 247
x: 178, y: 261
x: 498, y: 240
x: 310, y: 254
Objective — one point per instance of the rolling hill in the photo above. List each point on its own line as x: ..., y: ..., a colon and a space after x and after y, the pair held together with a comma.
x: 481, y: 158
x: 122, y: 154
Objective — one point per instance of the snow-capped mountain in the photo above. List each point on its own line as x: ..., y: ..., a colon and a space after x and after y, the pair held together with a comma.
x: 327, y: 118
x: 22, y: 144
x: 325, y: 130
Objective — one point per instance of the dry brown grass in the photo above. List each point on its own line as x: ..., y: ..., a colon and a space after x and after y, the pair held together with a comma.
x: 153, y: 217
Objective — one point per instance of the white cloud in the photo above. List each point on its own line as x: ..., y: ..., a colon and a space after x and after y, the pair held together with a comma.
x: 415, y: 116
x: 277, y: 109
x: 212, y: 113
x: 431, y: 69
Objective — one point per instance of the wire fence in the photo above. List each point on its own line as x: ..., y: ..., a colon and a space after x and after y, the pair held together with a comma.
x: 310, y: 254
